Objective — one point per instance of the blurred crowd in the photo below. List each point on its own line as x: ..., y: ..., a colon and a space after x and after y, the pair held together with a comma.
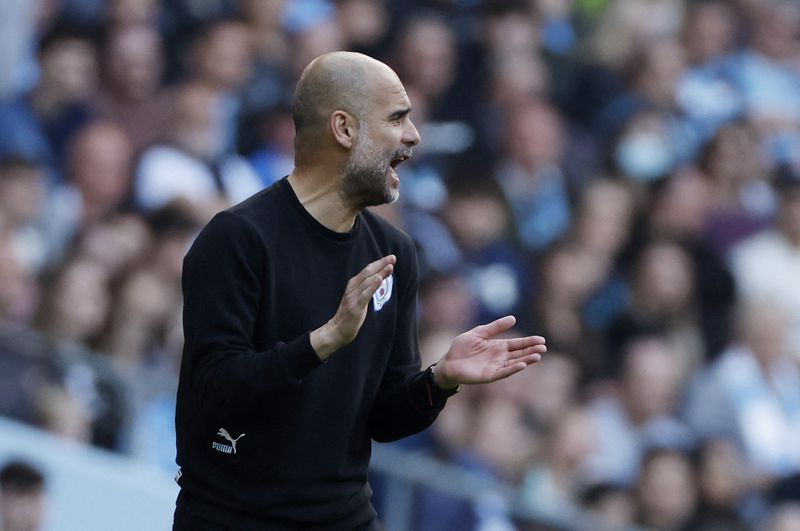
x: 622, y: 175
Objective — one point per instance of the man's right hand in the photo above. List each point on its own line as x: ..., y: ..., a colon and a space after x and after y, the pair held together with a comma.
x: 344, y: 326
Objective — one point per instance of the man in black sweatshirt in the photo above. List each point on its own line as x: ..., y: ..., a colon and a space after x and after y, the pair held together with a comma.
x: 300, y: 325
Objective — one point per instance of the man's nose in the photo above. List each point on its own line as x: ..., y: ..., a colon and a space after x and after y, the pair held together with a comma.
x: 411, y: 135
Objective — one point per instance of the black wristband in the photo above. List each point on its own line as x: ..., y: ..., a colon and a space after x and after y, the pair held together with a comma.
x: 443, y: 393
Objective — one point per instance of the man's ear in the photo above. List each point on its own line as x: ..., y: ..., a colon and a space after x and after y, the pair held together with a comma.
x: 344, y: 128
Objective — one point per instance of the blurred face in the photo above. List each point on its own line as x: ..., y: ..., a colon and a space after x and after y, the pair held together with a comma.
x: 511, y: 33
x: 604, y: 218
x: 476, y: 220
x: 102, y: 164
x: 572, y: 440
x: 536, y: 136
x: 501, y: 438
x: 570, y: 275
x: 116, y: 243
x: 429, y: 58
x: 263, y: 12
x: 385, y: 139
x: 664, y: 279
x: 447, y: 305
x: 555, y: 380
x: 651, y: 380
x: 21, y: 194
x: 364, y: 22
x: 82, y: 301
x: 198, y: 124
x: 683, y: 207
x: 313, y: 42
x: 134, y: 62
x: 225, y: 57
x: 666, y: 491
x: 709, y: 32
x: 22, y: 511
x: 665, y: 65
x: 721, y: 475
x: 734, y: 156
x: 70, y: 69
x: 517, y: 78
x: 130, y: 12
x: 616, y: 509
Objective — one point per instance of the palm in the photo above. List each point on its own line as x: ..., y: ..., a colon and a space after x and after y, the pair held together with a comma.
x: 477, y: 357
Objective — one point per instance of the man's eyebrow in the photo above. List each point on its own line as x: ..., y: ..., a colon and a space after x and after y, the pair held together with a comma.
x: 399, y: 114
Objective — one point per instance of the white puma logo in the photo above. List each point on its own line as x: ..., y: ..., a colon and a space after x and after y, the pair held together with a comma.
x: 224, y: 448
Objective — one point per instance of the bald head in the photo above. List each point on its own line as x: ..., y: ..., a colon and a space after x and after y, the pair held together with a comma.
x: 331, y: 82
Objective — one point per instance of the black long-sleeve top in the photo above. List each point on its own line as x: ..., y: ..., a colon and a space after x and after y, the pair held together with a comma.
x: 269, y: 437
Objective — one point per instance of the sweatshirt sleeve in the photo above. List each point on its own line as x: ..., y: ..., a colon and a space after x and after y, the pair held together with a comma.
x: 407, y: 401
x: 223, y: 284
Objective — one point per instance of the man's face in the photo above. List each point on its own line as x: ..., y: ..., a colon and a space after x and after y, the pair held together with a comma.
x: 385, y: 139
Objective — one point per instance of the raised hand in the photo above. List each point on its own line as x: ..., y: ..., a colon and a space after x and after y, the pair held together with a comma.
x: 345, y: 324
x: 476, y: 356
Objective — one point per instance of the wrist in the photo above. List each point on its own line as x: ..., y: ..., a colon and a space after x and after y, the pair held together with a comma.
x: 441, y: 381
x: 325, y: 340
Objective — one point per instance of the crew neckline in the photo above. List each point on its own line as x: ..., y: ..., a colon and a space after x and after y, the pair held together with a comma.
x: 312, y: 222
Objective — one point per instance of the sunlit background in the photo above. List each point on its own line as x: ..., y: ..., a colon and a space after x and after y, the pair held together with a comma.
x: 622, y: 175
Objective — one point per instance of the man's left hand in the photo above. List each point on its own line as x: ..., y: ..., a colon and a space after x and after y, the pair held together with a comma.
x: 476, y: 356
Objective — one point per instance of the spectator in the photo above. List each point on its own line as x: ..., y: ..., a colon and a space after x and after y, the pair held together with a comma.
x: 766, y: 82
x: 40, y: 124
x: 569, y: 274
x: 767, y: 265
x: 194, y: 166
x: 552, y: 485
x: 639, y: 414
x: 222, y: 61
x: 23, y: 500
x: 661, y: 301
x: 558, y: 385
x: 706, y: 93
x: 531, y: 175
x: 22, y: 194
x: 479, y: 220
x: 427, y: 59
x: 609, y: 505
x: 131, y: 94
x: 721, y: 484
x: 666, y: 491
x: 147, y: 307
x: 741, y: 201
x: 99, y: 172
x: 752, y: 393
x: 101, y: 162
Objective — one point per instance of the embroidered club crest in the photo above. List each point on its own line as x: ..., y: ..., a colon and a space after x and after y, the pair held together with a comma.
x: 383, y: 293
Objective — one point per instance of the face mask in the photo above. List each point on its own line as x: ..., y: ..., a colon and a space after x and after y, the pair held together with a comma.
x: 643, y: 156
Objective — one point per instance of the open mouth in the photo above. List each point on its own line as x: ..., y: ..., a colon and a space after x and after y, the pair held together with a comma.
x: 399, y: 159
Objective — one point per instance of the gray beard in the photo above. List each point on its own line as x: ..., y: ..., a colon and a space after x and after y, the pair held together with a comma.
x: 365, y: 181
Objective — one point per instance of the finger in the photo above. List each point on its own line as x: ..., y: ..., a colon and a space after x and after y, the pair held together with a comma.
x: 508, y: 370
x: 497, y: 326
x: 524, y: 342
x: 530, y: 359
x: 374, y: 267
x: 373, y: 282
x: 535, y: 349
